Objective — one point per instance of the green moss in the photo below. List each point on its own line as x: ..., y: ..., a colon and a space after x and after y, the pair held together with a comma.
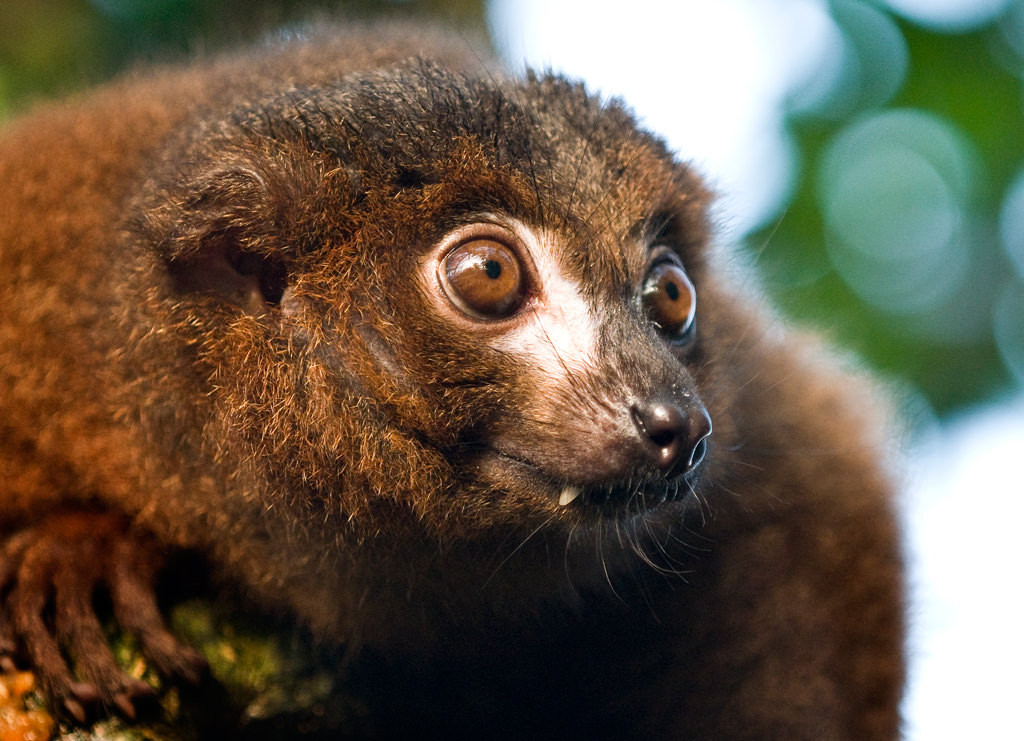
x: 266, y: 682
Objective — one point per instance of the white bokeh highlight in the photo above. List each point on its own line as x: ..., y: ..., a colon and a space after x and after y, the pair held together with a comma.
x: 964, y: 513
x: 709, y: 77
x: 949, y: 15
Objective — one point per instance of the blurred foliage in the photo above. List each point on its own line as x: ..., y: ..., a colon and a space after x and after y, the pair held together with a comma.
x: 49, y: 47
x: 942, y: 315
x: 851, y: 251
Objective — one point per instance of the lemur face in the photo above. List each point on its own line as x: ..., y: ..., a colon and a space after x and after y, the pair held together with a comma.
x: 607, y: 416
x: 499, y: 279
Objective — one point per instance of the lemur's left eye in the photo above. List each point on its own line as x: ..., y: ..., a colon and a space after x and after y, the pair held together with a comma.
x: 483, y: 278
x: 670, y: 299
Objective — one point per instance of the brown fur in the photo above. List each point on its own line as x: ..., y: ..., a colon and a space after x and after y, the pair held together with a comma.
x: 326, y: 446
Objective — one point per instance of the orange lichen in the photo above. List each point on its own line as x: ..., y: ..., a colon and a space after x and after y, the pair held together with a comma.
x: 17, y: 721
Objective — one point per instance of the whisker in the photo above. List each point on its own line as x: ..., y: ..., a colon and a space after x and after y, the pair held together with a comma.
x: 518, y: 548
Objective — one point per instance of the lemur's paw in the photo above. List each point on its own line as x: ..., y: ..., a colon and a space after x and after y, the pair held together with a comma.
x: 49, y: 575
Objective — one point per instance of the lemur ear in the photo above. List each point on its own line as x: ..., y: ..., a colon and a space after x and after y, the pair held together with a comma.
x: 232, y: 231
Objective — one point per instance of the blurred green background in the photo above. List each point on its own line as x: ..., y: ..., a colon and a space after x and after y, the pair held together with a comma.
x: 906, y: 231
x: 903, y: 236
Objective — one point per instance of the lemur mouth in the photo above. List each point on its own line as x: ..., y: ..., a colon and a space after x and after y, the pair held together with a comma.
x: 651, y: 454
x: 645, y: 490
x: 644, y: 495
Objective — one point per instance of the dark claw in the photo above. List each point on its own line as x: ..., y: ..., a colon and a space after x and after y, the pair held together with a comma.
x: 74, y: 709
x: 85, y: 692
x: 80, y: 696
x: 192, y: 667
x: 124, y: 705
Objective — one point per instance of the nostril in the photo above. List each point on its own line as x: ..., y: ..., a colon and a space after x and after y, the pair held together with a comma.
x: 663, y: 438
x: 675, y: 441
x: 662, y: 427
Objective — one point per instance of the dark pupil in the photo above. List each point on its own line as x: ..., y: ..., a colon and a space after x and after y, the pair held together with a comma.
x: 671, y: 289
x: 493, y: 268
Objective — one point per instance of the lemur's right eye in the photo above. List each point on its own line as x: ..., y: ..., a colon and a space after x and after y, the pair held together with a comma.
x: 483, y: 278
x: 670, y: 299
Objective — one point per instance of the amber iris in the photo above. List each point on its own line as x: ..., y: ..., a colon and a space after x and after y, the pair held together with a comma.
x: 483, y: 278
x: 670, y: 299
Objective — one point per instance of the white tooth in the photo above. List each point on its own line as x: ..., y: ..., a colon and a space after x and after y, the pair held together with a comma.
x: 569, y: 493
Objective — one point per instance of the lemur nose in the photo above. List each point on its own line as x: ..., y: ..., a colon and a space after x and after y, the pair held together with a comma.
x: 674, y: 440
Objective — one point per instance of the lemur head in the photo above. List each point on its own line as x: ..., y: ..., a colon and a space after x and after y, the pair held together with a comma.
x: 474, y: 298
